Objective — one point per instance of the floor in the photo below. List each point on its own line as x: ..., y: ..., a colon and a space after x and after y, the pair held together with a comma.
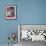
x: 30, y: 43
x: 7, y: 45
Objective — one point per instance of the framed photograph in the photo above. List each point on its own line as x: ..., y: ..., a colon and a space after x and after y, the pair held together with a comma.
x: 10, y: 11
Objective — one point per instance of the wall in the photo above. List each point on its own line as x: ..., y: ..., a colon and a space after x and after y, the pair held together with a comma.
x: 28, y: 12
x: 6, y: 26
x: 32, y: 11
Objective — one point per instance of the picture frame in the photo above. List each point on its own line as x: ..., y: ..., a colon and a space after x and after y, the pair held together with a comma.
x: 10, y: 12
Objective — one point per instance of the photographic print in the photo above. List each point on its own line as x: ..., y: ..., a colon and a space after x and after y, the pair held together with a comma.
x: 10, y: 11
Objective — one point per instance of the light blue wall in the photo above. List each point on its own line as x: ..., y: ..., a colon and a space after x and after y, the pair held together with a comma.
x: 32, y: 11
x: 28, y: 12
